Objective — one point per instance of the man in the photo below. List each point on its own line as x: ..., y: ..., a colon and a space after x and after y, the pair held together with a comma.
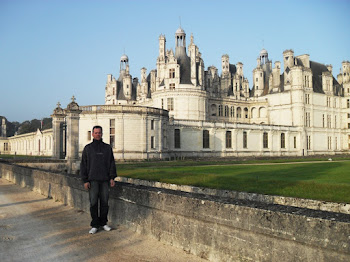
x: 98, y: 170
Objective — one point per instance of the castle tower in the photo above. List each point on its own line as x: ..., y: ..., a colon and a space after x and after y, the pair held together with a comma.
x: 344, y: 77
x: 124, y: 74
x: 288, y: 63
x: 225, y: 64
x: 258, y: 79
x: 346, y: 71
x: 276, y: 79
x: 180, y: 42
x: 144, y: 83
x: 124, y: 64
x: 162, y: 47
x: 193, y: 52
x: 264, y: 57
x: 239, y: 67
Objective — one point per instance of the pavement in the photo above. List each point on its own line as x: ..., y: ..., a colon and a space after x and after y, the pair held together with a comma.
x: 36, y: 228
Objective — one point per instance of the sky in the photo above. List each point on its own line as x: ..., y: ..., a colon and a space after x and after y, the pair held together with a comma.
x: 51, y: 50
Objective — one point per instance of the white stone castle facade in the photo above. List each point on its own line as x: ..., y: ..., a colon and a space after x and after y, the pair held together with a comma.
x: 180, y: 109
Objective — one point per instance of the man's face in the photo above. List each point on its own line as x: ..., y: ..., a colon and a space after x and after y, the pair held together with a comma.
x: 97, y: 133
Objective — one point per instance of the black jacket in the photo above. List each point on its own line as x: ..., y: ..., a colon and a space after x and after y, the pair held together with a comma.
x: 97, y: 162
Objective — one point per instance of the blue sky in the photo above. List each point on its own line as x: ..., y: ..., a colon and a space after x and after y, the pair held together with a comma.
x: 51, y: 50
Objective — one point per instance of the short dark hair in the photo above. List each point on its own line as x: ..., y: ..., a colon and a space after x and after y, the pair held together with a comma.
x: 96, y: 127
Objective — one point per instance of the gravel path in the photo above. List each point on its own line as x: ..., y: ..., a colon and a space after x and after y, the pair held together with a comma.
x: 35, y: 228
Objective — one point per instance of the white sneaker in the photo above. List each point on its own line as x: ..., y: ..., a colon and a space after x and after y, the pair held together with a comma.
x: 93, y: 230
x: 107, y: 228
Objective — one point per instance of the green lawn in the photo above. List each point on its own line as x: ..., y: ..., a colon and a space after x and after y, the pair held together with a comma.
x: 328, y: 181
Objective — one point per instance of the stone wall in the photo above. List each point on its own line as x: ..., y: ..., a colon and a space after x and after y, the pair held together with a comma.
x: 215, y: 228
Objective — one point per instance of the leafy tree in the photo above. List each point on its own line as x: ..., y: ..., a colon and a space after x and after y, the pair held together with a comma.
x: 28, y: 126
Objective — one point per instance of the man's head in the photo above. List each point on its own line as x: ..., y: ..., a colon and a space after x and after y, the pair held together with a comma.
x: 97, y: 132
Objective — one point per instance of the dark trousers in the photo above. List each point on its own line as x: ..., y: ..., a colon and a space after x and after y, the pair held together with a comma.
x: 99, y: 194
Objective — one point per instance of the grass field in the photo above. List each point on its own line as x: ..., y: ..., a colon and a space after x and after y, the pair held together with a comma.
x: 326, y: 180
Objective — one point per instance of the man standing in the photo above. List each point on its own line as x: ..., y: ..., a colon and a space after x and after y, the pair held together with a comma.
x: 98, y: 170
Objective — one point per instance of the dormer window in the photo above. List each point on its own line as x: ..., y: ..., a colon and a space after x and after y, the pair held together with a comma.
x: 172, y: 73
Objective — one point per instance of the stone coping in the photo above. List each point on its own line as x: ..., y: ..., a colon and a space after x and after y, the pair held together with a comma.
x: 267, y: 199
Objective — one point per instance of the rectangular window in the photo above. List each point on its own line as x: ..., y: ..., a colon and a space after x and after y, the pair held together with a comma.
x: 307, y: 119
x: 265, y: 140
x: 308, y: 142
x: 335, y: 121
x: 112, y: 132
x: 177, y: 138
x: 348, y: 125
x: 329, y: 145
x: 329, y: 121
x: 245, y: 140
x: 170, y: 104
x: 205, y: 138
x: 306, y: 81
x: 162, y: 101
x: 233, y: 111
x: 348, y: 103
x: 323, y: 120
x: 307, y: 98
x: 172, y: 85
x: 172, y: 73
x: 228, y: 139
x: 283, y: 140
x: 336, y: 143
x: 89, y: 135
x: 220, y: 110
x: 295, y: 142
x: 152, y: 142
x: 348, y: 115
x: 152, y: 124
x: 226, y: 110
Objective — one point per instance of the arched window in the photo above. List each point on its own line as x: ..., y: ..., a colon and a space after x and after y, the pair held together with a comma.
x: 245, y: 112
x: 262, y: 112
x: 239, y: 112
x: 213, y: 110
x: 254, y: 113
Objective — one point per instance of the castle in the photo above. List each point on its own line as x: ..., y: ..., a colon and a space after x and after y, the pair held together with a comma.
x: 180, y: 109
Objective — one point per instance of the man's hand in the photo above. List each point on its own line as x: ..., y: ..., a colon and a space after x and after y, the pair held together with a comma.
x: 112, y: 182
x: 87, y: 185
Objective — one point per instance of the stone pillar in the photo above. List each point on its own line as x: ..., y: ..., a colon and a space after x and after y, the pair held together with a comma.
x: 3, y: 127
x: 72, y: 120
x: 58, y: 119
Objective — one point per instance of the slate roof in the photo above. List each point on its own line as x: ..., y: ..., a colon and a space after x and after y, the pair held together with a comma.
x: 317, y: 70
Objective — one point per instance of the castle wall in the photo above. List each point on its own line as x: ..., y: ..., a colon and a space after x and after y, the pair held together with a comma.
x: 137, y: 132
x: 212, y: 227
x: 39, y: 143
